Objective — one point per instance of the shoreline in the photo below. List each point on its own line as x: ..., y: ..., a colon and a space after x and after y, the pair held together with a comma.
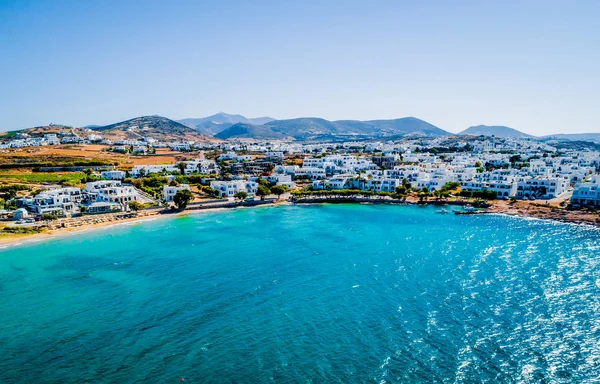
x: 520, y: 209
x: 9, y: 240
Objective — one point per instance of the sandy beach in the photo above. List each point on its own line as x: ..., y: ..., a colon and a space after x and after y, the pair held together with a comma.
x: 68, y: 226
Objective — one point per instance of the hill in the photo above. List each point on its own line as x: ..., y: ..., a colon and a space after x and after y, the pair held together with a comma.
x: 310, y: 128
x: 313, y: 128
x: 249, y: 131
x: 156, y: 127
x: 407, y: 125
x: 216, y: 123
x: 495, y: 130
x: 593, y: 137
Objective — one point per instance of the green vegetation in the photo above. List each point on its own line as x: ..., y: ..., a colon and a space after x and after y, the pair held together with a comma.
x: 50, y: 177
x: 59, y: 162
x: 182, y: 198
x: 49, y: 216
x: 152, y: 184
x: 194, y: 179
x: 241, y: 195
x: 22, y: 230
x: 449, y: 186
x: 89, y: 176
x: 135, y: 206
x: 263, y: 191
x: 181, y: 166
x: 485, y: 194
x: 279, y: 190
x: 209, y: 191
x: 10, y: 190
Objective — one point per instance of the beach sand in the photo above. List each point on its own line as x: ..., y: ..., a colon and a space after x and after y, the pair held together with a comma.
x: 87, y: 223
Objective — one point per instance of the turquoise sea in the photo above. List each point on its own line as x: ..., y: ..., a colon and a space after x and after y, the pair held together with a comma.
x: 312, y: 294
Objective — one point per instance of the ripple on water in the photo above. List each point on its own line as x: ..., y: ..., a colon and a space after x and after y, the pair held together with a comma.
x: 333, y: 293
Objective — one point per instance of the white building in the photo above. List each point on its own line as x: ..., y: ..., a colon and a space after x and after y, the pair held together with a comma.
x: 140, y: 170
x: 113, y: 175
x: 230, y: 188
x: 169, y: 191
x: 540, y: 188
x: 586, y: 194
x: 59, y: 201
x: 274, y: 156
x: 111, y: 191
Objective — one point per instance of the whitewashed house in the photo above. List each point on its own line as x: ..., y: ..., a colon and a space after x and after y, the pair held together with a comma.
x: 230, y: 188
x: 587, y: 194
x: 112, y: 191
x: 169, y: 191
x: 540, y: 187
x: 113, y: 175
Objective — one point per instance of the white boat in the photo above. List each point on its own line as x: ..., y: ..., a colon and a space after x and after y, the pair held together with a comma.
x: 468, y: 208
x: 443, y: 211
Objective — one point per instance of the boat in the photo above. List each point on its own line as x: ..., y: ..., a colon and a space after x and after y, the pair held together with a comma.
x: 442, y: 211
x: 468, y: 208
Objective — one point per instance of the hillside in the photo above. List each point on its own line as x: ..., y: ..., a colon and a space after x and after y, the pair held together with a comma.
x: 157, y: 127
x: 495, y: 130
x: 406, y: 125
x: 312, y: 128
x: 249, y: 131
x: 593, y: 137
x: 216, y: 123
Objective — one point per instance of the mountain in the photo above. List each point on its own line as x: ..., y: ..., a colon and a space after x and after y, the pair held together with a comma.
x: 495, y: 130
x: 593, y: 137
x: 223, y: 120
x: 211, y: 128
x: 157, y: 127
x: 313, y: 128
x: 407, y: 125
x: 249, y: 131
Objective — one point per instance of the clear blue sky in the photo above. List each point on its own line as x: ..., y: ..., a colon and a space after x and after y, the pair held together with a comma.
x: 531, y: 65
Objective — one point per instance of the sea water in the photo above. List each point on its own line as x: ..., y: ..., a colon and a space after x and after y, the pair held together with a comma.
x: 305, y: 294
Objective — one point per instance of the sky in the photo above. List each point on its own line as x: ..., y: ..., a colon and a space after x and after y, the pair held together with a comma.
x: 530, y: 65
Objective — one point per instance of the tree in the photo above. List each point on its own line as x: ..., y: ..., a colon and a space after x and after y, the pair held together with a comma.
x: 263, y: 182
x: 449, y: 186
x: 263, y: 191
x: 279, y: 190
x: 49, y: 216
x: 182, y: 198
x: 240, y: 195
x: 181, y: 165
x: 135, y: 206
x: 401, y: 190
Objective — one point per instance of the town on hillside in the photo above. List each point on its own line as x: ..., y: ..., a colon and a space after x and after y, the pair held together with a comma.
x: 68, y: 175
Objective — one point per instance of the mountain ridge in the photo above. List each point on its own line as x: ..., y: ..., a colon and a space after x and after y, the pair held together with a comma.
x: 495, y: 130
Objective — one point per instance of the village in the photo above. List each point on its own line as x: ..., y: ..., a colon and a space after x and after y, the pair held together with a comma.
x: 482, y: 167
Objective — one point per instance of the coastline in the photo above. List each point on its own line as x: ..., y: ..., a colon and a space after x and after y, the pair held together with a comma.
x: 521, y: 209
x: 10, y: 240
